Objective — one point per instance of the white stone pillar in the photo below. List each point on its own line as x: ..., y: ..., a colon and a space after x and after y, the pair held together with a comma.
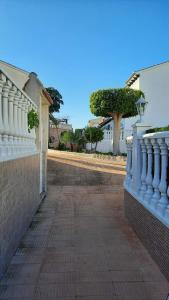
x: 129, y: 164
x: 11, y: 118
x: 23, y: 115
x: 138, y: 130
x: 149, y: 177
x: 1, y: 119
x: 15, y: 120
x: 156, y: 179
x: 144, y: 168
x: 163, y: 202
x: 167, y: 209
x: 5, y: 116
x: 19, y: 122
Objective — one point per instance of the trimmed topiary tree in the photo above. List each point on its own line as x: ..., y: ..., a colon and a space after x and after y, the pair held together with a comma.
x: 117, y: 103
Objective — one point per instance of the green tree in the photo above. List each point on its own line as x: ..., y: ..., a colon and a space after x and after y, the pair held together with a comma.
x: 79, y: 138
x: 117, y: 103
x: 74, y: 138
x: 57, y: 100
x: 67, y: 137
x: 94, y: 135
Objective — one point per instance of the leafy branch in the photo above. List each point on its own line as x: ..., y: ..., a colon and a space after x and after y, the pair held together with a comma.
x: 33, y: 119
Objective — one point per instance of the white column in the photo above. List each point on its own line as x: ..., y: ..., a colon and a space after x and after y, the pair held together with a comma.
x: 144, y: 168
x: 1, y: 119
x: 163, y: 202
x: 15, y: 120
x: 5, y: 117
x: 149, y: 177
x: 19, y: 122
x: 156, y: 179
x: 138, y: 130
x: 127, y: 165
x: 167, y: 209
x: 11, y: 119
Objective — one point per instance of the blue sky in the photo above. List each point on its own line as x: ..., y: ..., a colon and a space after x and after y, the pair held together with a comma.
x: 79, y: 46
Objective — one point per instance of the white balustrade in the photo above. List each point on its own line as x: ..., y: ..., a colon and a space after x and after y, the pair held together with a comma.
x: 154, y: 177
x: 15, y: 140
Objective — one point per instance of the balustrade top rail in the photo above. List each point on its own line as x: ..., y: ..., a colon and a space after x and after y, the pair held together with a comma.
x: 156, y: 135
x: 3, y: 73
x: 15, y: 139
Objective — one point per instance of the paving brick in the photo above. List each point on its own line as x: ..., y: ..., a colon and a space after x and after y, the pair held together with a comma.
x: 79, y: 245
x: 16, y: 291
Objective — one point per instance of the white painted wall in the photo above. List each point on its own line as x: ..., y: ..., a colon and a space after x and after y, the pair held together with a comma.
x: 154, y: 82
x: 106, y: 145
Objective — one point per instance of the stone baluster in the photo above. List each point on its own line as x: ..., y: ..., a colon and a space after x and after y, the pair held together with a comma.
x: 23, y: 133
x: 167, y: 209
x: 163, y: 202
x: 128, y: 166
x: 5, y: 116
x: 149, y: 177
x: 130, y: 163
x: 144, y: 168
x: 15, y: 120
x: 23, y: 115
x: 19, y: 113
x: 19, y: 122
x: 1, y: 119
x: 156, y: 179
x: 28, y: 137
x: 30, y: 107
x: 11, y: 118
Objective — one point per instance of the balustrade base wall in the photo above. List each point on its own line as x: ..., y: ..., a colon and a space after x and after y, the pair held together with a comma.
x: 153, y: 234
x: 19, y: 200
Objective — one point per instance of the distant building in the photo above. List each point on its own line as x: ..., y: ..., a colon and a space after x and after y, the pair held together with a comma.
x: 154, y: 82
x: 56, y: 127
x: 106, y: 145
x: 95, y: 122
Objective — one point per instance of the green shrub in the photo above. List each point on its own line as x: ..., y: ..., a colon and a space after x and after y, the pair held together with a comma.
x: 33, y: 119
x: 158, y: 129
x: 61, y: 146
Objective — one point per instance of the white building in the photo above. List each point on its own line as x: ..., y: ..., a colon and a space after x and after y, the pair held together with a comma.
x: 153, y: 81
x: 106, y: 145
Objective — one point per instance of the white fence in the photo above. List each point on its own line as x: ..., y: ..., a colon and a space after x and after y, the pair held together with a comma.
x: 106, y: 145
x: 147, y: 169
x: 15, y: 140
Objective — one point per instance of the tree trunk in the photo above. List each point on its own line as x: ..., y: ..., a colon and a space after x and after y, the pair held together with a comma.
x: 95, y: 146
x: 116, y: 133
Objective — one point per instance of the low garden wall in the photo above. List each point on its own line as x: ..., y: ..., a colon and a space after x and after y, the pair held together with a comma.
x: 19, y: 199
x: 151, y: 231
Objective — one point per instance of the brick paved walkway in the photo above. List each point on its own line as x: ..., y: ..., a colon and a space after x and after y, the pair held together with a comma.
x: 79, y: 245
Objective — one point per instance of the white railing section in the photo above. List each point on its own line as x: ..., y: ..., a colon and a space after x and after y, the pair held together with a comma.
x: 153, y: 190
x: 15, y: 140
